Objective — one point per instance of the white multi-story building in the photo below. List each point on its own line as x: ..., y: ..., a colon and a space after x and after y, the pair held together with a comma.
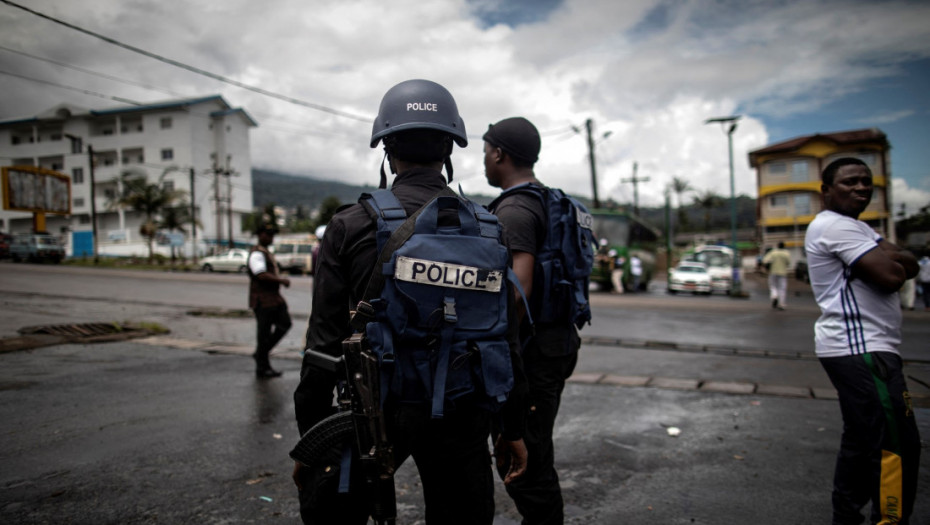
x: 200, y: 146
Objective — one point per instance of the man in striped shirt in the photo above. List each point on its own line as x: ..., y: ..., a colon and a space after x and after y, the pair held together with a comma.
x: 855, y: 275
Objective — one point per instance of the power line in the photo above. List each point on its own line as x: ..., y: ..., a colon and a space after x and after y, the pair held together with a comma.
x: 72, y: 88
x: 190, y: 68
x: 94, y: 73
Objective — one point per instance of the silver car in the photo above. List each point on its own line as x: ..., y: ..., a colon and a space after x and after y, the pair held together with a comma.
x: 235, y: 260
x: 689, y: 277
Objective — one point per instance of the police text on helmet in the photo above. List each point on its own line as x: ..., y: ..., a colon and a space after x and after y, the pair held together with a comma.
x: 422, y: 106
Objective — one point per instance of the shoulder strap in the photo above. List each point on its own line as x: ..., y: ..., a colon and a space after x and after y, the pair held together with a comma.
x: 388, y: 209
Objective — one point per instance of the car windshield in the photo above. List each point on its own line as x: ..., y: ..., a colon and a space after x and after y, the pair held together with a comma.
x: 692, y: 269
x: 47, y: 241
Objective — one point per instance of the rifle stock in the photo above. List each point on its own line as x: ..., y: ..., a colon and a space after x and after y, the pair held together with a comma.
x: 362, y: 395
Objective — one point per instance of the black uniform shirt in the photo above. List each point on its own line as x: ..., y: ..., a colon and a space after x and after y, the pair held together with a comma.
x: 348, y: 253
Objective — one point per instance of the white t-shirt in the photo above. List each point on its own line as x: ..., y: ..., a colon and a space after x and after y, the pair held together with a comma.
x: 257, y: 262
x: 855, y: 317
x: 636, y: 267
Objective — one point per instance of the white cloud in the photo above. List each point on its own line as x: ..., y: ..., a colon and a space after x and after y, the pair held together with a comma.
x: 913, y: 199
x: 647, y: 70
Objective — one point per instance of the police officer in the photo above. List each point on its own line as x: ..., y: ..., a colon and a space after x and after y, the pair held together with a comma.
x: 418, y: 123
x: 265, y: 300
x: 511, y: 148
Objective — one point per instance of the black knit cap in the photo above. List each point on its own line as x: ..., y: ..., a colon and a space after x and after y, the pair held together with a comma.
x: 516, y: 136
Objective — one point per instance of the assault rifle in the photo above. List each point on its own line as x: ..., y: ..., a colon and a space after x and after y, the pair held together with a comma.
x: 359, y: 413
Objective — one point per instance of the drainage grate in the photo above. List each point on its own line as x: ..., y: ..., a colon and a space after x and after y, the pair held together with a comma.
x: 79, y: 331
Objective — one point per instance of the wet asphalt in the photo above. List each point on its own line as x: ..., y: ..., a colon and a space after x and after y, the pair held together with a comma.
x: 176, y: 429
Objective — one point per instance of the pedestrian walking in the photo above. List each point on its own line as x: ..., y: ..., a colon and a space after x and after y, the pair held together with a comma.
x: 777, y: 262
x: 534, y: 225
x: 923, y: 279
x: 445, y: 429
x: 636, y: 271
x: 855, y: 275
x: 271, y: 316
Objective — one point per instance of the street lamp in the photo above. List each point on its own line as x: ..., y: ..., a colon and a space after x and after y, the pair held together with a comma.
x: 75, y: 140
x: 736, y: 288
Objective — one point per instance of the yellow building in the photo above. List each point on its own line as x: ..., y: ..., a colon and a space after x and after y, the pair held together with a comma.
x: 788, y: 182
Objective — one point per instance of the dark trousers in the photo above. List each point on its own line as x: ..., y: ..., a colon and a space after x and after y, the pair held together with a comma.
x: 537, y: 494
x: 451, y: 455
x: 880, y: 448
x: 272, y: 324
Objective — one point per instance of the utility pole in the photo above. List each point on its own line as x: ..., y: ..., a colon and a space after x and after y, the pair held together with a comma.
x: 193, y: 220
x: 736, y: 289
x: 635, y: 182
x: 229, y: 209
x: 76, y: 146
x: 589, y: 124
x: 216, y: 197
x: 93, y: 202
x: 668, y: 235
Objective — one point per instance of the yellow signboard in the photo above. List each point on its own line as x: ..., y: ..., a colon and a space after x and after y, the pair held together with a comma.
x: 28, y: 188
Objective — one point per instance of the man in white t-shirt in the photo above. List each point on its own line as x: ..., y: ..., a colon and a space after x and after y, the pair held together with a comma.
x: 855, y: 276
x: 636, y: 270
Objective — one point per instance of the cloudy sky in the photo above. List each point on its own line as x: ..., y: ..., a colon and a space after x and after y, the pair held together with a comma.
x: 647, y: 73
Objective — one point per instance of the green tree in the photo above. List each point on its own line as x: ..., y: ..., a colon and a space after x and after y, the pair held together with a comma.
x: 150, y: 199
x: 681, y: 186
x: 266, y: 214
x: 327, y: 209
x: 177, y: 218
x: 708, y: 200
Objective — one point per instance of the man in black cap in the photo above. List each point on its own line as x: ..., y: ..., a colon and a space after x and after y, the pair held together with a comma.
x: 550, y: 350
x: 266, y: 301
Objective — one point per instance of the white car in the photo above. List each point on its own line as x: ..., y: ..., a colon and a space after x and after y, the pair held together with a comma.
x: 689, y: 277
x: 235, y: 260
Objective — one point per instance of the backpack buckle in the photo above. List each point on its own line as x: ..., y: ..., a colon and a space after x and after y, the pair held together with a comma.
x: 449, y: 310
x: 364, y: 313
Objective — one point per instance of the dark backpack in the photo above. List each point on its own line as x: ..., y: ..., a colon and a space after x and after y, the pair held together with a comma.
x: 439, y: 320
x: 563, y: 265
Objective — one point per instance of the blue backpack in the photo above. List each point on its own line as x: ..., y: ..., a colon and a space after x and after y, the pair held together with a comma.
x: 439, y: 303
x: 563, y: 265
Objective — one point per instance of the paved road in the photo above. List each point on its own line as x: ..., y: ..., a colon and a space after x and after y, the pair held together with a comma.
x: 176, y: 430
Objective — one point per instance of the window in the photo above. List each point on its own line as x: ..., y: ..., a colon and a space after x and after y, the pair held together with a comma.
x: 168, y: 185
x: 802, y: 204
x: 165, y: 123
x: 799, y: 171
x: 777, y: 168
x: 77, y: 175
x: 167, y: 154
x: 84, y: 219
x: 778, y: 201
x: 78, y: 202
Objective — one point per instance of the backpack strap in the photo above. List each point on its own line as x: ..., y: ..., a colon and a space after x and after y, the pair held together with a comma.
x: 389, y: 210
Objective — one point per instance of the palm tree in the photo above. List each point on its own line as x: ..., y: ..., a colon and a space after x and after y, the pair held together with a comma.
x: 177, y: 218
x: 681, y: 186
x: 707, y: 200
x: 147, y: 198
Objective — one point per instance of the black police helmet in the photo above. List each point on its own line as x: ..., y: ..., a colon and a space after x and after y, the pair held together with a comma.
x: 418, y: 104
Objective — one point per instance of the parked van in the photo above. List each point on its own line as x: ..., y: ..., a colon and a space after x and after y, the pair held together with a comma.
x: 36, y: 247
x: 294, y: 256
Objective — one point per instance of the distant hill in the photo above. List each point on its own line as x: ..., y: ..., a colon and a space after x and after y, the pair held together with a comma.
x: 290, y: 191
